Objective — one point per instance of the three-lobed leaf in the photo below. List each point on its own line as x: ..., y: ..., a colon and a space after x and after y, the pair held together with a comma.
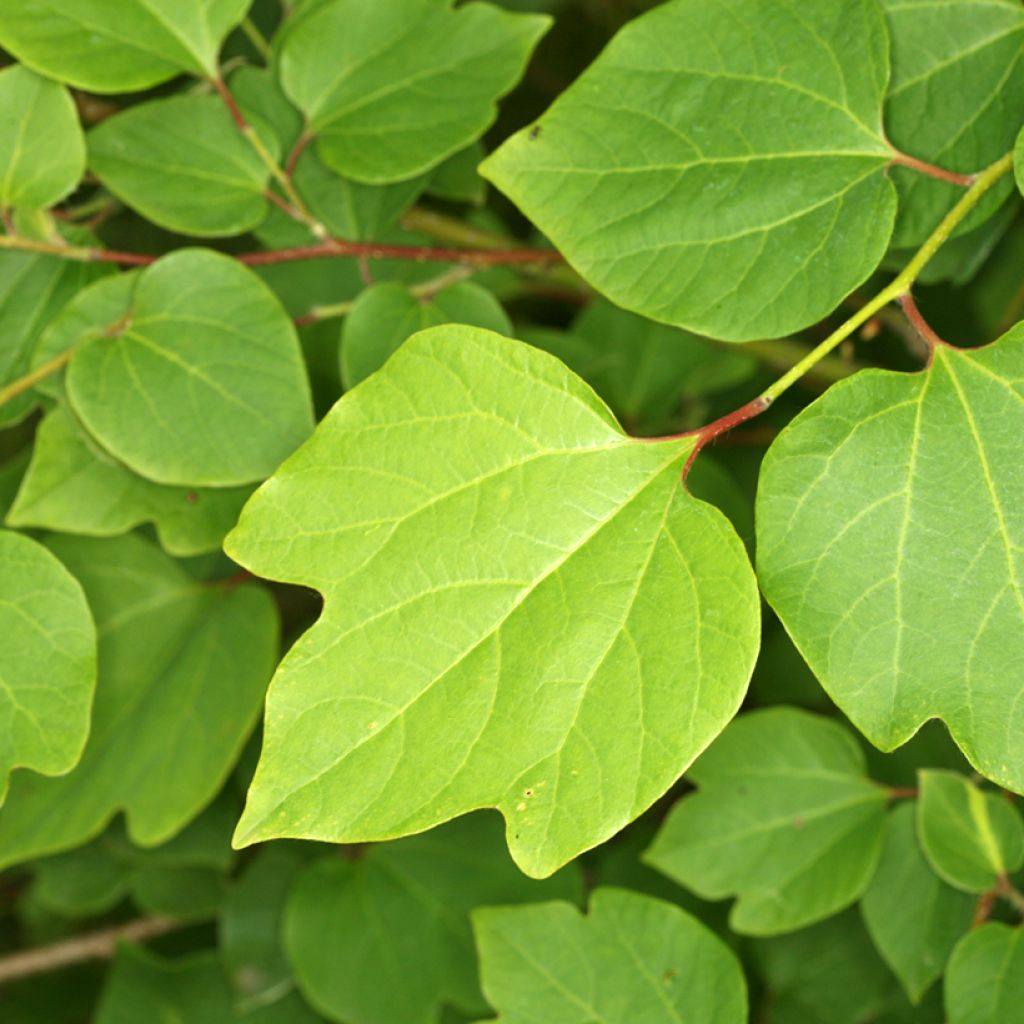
x: 664, y: 183
x: 631, y: 957
x: 47, y: 661
x: 125, y: 46
x: 390, y: 90
x: 524, y: 609
x: 785, y: 818
x: 890, y: 525
x: 42, y: 149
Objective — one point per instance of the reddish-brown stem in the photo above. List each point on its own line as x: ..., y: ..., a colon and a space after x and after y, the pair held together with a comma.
x: 282, y: 204
x: 707, y: 434
x: 920, y: 325
x: 902, y: 792
x: 983, y: 908
x: 333, y: 248
x: 963, y: 180
x: 293, y: 157
x: 229, y: 101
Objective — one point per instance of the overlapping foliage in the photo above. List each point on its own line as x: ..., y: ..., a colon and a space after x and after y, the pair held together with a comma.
x: 360, y: 366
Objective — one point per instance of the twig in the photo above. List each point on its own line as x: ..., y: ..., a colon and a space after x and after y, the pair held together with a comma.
x: 98, y: 945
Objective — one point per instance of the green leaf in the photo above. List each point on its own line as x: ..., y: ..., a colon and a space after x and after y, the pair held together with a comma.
x: 644, y: 370
x: 33, y: 290
x: 456, y: 179
x: 913, y: 917
x: 390, y: 90
x: 497, y: 561
x: 143, y: 987
x: 971, y: 837
x: 890, y: 525
x: 631, y: 958
x: 353, y: 927
x: 956, y: 99
x: 985, y: 980
x: 73, y: 486
x: 42, y: 150
x: 1018, y: 160
x: 251, y: 921
x: 662, y: 181
x: 92, y: 879
x: 386, y: 315
x: 183, y: 164
x: 202, y: 383
x: 182, y: 670
x: 47, y: 661
x: 122, y: 47
x: 785, y: 819
x: 831, y: 972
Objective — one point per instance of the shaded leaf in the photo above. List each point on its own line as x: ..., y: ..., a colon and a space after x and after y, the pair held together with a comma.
x: 182, y: 670
x: 390, y: 90
x: 662, y: 181
x: 386, y: 315
x: 47, y: 661
x: 202, y: 383
x: 632, y: 957
x: 73, y: 486
x: 457, y: 179
x: 890, y: 526
x: 182, y: 163
x: 122, y: 47
x: 455, y: 510
x: 970, y: 836
x: 42, y: 150
x: 143, y: 987
x: 913, y: 917
x: 785, y: 819
x: 354, y: 928
x: 985, y: 980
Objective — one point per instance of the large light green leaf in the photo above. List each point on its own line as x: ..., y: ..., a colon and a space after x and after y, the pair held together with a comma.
x: 498, y: 563
x: 384, y: 316
x: 353, y: 928
x: 124, y: 46
x: 970, y: 836
x: 956, y: 99
x: 33, y: 290
x: 202, y: 382
x: 985, y: 981
x: 182, y: 669
x: 183, y: 164
x: 632, y: 958
x: 890, y: 527
x: 143, y: 987
x: 47, y: 661
x: 73, y: 486
x: 391, y: 89
x: 42, y: 150
x: 785, y: 819
x: 664, y: 183
x: 914, y: 918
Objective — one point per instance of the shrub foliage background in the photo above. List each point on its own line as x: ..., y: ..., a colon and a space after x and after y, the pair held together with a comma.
x: 603, y: 415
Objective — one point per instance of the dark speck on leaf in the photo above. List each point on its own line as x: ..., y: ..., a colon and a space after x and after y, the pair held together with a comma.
x: 798, y: 822
x: 191, y: 497
x: 534, y: 131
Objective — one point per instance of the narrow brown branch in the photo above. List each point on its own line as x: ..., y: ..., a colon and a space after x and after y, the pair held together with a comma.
x: 333, y: 248
x: 983, y: 908
x: 293, y: 157
x: 902, y: 792
x: 963, y: 180
x: 1009, y: 892
x: 98, y: 945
